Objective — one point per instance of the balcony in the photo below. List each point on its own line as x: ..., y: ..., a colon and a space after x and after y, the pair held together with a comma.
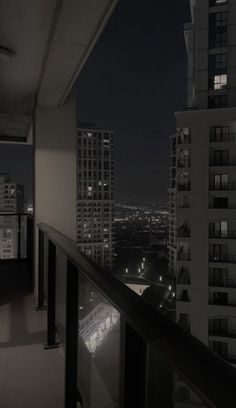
x: 80, y: 313
x: 183, y: 256
x: 222, y: 283
x: 222, y: 301
x: 183, y: 280
x: 222, y: 234
x: 222, y: 138
x: 184, y: 139
x: 222, y: 162
x: 184, y: 187
x: 222, y: 258
x: 184, y: 163
x: 219, y: 332
x: 184, y: 231
x: 231, y: 186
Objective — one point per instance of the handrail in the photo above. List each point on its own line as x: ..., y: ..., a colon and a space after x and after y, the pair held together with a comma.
x: 213, y: 379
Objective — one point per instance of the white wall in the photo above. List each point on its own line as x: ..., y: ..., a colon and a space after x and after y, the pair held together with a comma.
x: 55, y: 189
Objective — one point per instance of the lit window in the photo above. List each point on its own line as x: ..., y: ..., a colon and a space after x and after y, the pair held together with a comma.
x: 220, y: 81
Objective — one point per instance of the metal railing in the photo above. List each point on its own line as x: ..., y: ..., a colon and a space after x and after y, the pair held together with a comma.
x: 183, y: 231
x: 222, y: 162
x: 151, y: 349
x: 183, y: 256
x: 183, y: 280
x: 224, y: 283
x: 184, y: 162
x: 184, y: 187
x: 184, y: 139
x: 222, y: 258
x: 230, y: 186
x: 222, y: 234
x: 16, y: 236
x: 224, y: 138
x: 212, y: 331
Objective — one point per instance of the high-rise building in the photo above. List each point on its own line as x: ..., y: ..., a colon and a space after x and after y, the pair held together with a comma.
x: 202, y: 193
x: 11, y: 202
x: 95, y: 194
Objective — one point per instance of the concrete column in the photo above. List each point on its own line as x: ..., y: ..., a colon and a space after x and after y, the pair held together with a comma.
x: 55, y: 188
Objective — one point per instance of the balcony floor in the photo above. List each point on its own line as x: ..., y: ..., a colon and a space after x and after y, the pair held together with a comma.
x: 29, y: 375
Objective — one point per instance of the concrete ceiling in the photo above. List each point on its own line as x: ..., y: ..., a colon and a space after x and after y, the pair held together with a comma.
x: 49, y: 43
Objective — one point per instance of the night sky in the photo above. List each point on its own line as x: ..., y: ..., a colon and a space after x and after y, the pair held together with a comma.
x: 133, y: 82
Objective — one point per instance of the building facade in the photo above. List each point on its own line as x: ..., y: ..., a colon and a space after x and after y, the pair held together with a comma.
x: 202, y: 193
x: 95, y: 204
x: 11, y: 202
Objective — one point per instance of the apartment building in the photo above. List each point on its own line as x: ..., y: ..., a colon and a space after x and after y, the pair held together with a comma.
x: 202, y: 194
x: 95, y: 194
x: 11, y: 202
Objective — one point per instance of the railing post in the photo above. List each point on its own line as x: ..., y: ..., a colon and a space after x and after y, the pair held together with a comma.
x: 71, y: 342
x: 19, y: 236
x: 51, y: 297
x: 30, y: 237
x: 41, y: 254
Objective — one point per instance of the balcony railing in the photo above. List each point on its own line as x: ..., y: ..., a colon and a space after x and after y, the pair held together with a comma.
x: 186, y: 139
x: 222, y: 162
x: 184, y: 231
x: 222, y: 332
x: 117, y: 346
x: 222, y: 234
x: 222, y: 258
x: 184, y: 187
x: 183, y: 280
x: 222, y: 302
x: 222, y: 283
x: 231, y: 186
x: 183, y: 256
x: 184, y: 163
x: 222, y: 138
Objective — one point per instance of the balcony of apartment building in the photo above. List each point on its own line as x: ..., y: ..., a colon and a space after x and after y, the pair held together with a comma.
x: 184, y: 136
x: 221, y: 182
x: 221, y: 230
x: 222, y: 298
x: 183, y: 295
x: 183, y: 276
x: 184, y: 230
x: 222, y: 327
x: 221, y: 203
x: 221, y: 158
x: 221, y: 134
x: 222, y: 282
x: 72, y: 335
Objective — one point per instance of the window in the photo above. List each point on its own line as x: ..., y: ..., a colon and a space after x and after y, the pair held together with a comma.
x: 220, y: 202
x: 220, y: 298
x: 218, y: 82
x: 218, y: 29
x: 184, y: 135
x: 217, y: 63
x: 219, y: 134
x: 218, y: 229
x: 221, y: 181
x: 218, y: 19
x: 217, y: 101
